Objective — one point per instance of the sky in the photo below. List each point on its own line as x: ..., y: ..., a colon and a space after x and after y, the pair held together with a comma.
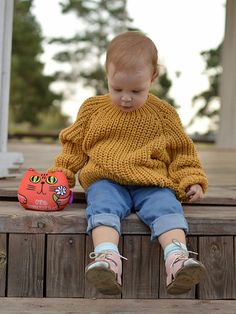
x: 181, y: 29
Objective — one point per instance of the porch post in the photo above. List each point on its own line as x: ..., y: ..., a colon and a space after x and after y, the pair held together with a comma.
x: 227, y: 127
x: 9, y: 162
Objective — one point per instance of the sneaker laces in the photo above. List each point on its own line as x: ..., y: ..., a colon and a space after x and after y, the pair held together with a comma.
x: 182, y: 254
x: 105, y: 254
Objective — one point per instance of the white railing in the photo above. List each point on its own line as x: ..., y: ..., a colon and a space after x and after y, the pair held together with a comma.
x: 9, y: 162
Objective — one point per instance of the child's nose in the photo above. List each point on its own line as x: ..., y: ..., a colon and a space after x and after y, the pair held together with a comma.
x: 126, y: 98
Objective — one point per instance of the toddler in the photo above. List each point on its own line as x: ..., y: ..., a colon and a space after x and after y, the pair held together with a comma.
x: 131, y: 151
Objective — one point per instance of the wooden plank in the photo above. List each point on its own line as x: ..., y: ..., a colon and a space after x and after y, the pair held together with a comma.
x: 13, y: 218
x: 65, y: 266
x: 26, y: 265
x: 208, y: 220
x: 224, y: 197
x: 221, y: 171
x: 192, y: 245
x: 141, y: 270
x: 3, y: 263
x: 93, y: 306
x: 217, y: 254
x: 91, y: 292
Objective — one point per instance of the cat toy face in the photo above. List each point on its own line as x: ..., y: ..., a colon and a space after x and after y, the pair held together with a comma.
x: 48, y: 191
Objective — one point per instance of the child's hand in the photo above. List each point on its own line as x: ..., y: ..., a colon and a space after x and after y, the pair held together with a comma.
x: 194, y: 193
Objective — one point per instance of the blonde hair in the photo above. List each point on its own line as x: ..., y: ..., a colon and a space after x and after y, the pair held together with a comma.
x: 126, y: 49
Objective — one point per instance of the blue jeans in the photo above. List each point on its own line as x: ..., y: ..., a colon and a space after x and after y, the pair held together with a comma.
x: 109, y: 203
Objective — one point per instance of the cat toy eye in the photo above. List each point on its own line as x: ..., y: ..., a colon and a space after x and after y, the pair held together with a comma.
x: 51, y: 180
x: 35, y: 179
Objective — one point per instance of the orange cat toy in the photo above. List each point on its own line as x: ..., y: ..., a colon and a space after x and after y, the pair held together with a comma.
x: 48, y: 191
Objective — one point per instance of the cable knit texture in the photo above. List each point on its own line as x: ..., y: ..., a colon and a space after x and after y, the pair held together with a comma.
x: 145, y: 147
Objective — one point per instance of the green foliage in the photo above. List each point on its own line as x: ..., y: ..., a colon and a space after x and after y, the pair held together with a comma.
x: 100, y: 21
x: 30, y: 95
x: 213, y: 69
x: 161, y: 88
x: 53, y: 120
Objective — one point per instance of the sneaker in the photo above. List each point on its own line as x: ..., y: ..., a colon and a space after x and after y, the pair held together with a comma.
x: 104, y: 273
x: 183, y: 273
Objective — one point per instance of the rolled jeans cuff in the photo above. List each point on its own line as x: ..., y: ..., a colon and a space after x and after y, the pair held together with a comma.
x: 166, y: 223
x: 109, y: 220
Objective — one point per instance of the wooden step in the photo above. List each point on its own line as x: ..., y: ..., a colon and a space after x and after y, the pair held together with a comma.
x: 44, y: 254
x: 82, y: 306
x: 202, y: 219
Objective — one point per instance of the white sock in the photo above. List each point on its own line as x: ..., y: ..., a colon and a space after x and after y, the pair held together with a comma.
x: 106, y: 246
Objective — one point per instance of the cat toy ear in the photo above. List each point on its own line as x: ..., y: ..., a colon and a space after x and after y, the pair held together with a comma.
x: 32, y: 171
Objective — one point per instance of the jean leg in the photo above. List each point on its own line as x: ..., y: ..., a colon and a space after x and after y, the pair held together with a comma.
x: 108, y: 203
x: 159, y: 209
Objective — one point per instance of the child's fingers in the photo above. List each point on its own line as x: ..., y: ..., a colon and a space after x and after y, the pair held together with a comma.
x: 197, y: 196
x: 193, y: 198
x: 190, y: 192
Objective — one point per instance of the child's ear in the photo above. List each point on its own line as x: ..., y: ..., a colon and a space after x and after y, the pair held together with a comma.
x: 105, y: 75
x: 154, y: 76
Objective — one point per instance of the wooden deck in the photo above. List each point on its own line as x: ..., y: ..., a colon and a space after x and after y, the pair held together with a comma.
x: 83, y: 306
x: 44, y: 254
x: 220, y: 166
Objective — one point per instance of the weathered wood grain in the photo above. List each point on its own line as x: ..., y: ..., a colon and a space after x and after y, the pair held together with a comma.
x: 141, y: 270
x: 3, y: 263
x: 208, y: 220
x: 217, y: 254
x: 83, y: 306
x: 65, y: 265
x: 13, y: 218
x: 26, y: 265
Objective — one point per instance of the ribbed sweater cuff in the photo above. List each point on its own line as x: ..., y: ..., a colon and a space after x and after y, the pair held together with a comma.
x: 191, y: 180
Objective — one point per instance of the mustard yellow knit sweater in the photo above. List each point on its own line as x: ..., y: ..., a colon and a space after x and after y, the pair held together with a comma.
x: 145, y: 147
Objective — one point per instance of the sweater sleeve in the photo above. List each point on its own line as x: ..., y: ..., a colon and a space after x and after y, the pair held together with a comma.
x: 185, y: 167
x: 72, y: 157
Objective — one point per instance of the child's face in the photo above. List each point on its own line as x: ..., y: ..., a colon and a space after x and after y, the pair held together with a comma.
x: 129, y: 88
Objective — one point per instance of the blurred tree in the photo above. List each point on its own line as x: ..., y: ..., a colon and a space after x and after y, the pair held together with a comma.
x: 100, y: 21
x: 209, y: 97
x: 30, y: 96
x: 162, y: 87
